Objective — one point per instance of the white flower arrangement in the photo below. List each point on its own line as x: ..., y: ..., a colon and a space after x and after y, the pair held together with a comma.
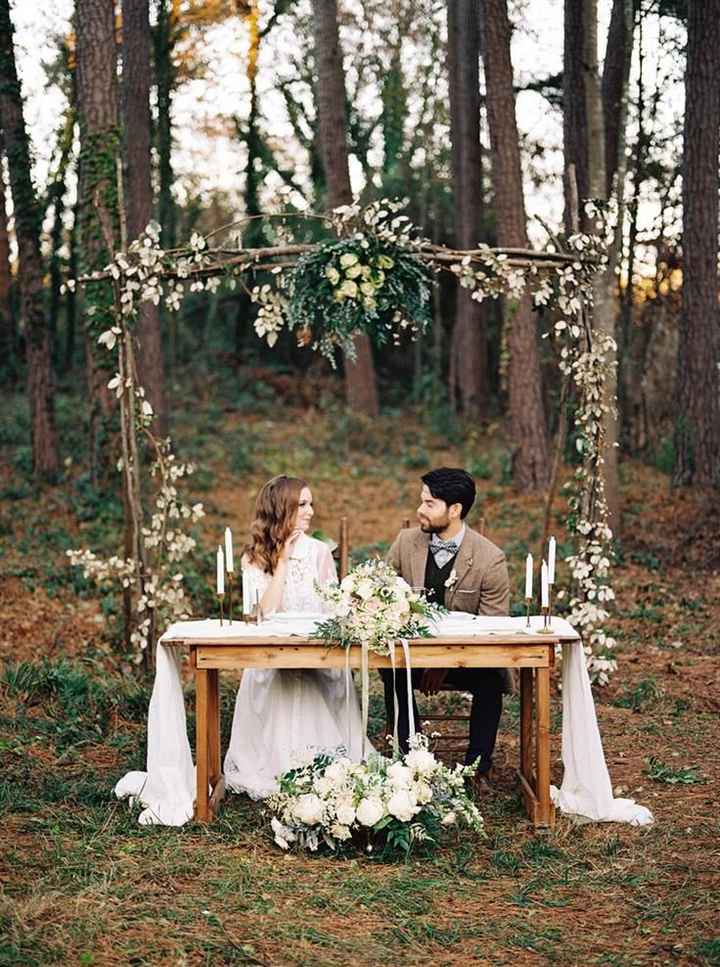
x: 396, y: 804
x: 373, y: 606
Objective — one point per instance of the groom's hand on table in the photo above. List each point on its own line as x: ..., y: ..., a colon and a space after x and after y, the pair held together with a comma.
x: 432, y: 680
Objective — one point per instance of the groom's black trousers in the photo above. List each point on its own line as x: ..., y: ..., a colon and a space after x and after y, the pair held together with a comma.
x: 486, y: 688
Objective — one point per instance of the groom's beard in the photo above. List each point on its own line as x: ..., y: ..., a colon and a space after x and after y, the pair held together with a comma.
x: 437, y: 527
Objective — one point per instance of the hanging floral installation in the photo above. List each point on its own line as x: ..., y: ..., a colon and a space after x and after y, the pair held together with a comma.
x: 374, y: 276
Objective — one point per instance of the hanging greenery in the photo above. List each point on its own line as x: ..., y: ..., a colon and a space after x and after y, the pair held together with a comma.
x: 370, y: 279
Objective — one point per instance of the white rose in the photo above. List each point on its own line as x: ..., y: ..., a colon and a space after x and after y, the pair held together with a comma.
x: 336, y: 772
x: 345, y: 814
x: 402, y: 805
x: 399, y: 775
x: 364, y: 589
x: 449, y: 819
x: 402, y: 586
x: 308, y: 809
x: 322, y: 786
x: 421, y: 761
x: 423, y: 792
x: 370, y: 811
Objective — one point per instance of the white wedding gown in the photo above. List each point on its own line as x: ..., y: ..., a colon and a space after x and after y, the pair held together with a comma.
x: 280, y: 714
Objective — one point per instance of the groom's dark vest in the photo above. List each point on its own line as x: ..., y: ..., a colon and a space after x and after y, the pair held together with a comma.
x: 435, y: 578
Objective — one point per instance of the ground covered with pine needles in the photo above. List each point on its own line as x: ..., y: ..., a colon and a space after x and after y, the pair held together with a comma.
x: 82, y: 883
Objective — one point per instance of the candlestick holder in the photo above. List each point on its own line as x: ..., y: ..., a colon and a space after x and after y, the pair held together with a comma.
x: 230, y: 598
x: 258, y: 609
x: 528, y: 602
x: 221, y: 597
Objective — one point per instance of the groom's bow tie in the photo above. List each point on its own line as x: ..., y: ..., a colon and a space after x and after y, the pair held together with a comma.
x: 438, y: 544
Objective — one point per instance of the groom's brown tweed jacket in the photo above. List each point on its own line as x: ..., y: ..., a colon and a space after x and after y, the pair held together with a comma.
x: 482, y: 585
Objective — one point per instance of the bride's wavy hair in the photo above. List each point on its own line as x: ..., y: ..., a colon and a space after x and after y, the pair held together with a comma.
x: 275, y: 509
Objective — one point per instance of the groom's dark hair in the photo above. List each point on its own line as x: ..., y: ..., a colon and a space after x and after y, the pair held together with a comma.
x: 453, y: 485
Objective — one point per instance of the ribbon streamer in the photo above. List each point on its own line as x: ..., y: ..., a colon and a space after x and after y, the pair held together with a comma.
x: 347, y: 699
x: 408, y: 672
x: 365, y: 686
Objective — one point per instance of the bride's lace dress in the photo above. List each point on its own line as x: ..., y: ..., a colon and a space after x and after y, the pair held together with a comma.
x: 280, y: 714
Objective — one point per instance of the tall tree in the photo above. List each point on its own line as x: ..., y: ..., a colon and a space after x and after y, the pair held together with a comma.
x: 584, y: 142
x: 8, y: 324
x: 531, y: 469
x: 164, y: 39
x: 136, y: 80
x: 360, y: 381
x: 697, y: 431
x: 27, y: 233
x: 468, y: 351
x: 97, y: 191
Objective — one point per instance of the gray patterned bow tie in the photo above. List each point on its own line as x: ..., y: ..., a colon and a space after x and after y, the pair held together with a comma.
x: 438, y: 544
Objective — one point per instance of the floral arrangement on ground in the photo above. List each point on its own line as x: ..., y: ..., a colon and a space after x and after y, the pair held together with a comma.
x: 382, y: 805
x: 374, y: 607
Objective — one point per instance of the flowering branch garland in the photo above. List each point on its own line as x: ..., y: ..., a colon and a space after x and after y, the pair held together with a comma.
x: 376, y: 277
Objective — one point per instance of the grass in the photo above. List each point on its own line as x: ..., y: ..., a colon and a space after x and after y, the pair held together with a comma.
x: 82, y: 883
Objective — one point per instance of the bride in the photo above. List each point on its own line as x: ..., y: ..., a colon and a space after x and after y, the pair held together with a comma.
x: 280, y: 714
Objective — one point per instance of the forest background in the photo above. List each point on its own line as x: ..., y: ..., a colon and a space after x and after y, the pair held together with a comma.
x: 495, y: 120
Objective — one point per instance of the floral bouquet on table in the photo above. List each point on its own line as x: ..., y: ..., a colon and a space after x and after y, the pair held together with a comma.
x: 344, y: 805
x: 372, y: 606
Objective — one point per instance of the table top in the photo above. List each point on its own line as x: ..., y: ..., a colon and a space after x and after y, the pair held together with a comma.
x: 297, y: 630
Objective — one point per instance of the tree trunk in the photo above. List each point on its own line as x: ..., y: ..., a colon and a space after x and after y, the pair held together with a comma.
x: 136, y: 77
x: 360, y: 380
x: 165, y: 79
x: 97, y: 199
x: 56, y: 198
x: 585, y: 146
x: 697, y: 430
x: 531, y: 466
x: 616, y: 73
x: 575, y: 123
x: 468, y: 350
x: 27, y: 232
x: 8, y: 326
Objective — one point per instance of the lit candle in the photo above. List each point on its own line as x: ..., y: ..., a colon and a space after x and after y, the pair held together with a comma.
x: 544, y: 587
x: 528, y: 576
x: 551, y: 561
x: 229, y: 559
x: 247, y: 591
x: 220, y: 571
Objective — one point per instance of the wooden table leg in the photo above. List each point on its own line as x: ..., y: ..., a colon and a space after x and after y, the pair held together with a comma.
x: 526, y: 722
x: 213, y: 726
x: 202, y: 765
x: 545, y: 811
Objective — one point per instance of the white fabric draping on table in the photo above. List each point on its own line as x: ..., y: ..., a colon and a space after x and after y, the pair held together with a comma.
x: 167, y: 789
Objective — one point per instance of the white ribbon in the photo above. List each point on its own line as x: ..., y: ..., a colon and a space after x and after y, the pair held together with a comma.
x: 365, y: 692
x: 408, y: 672
x: 396, y: 741
x: 347, y: 699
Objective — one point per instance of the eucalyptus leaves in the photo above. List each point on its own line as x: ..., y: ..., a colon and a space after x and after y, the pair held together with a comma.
x: 370, y: 280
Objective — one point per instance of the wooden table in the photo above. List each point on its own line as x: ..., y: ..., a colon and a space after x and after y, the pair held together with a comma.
x: 533, y: 655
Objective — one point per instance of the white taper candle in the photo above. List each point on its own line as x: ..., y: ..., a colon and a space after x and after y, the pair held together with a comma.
x: 229, y: 559
x: 551, y: 561
x: 544, y: 587
x: 528, y: 576
x: 220, y: 571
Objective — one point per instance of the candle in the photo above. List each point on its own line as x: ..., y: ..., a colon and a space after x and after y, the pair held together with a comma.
x: 544, y: 587
x: 229, y: 559
x: 551, y: 561
x: 220, y: 571
x: 247, y: 591
x: 528, y: 576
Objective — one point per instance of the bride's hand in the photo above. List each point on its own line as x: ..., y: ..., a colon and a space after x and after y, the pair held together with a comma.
x: 289, y: 545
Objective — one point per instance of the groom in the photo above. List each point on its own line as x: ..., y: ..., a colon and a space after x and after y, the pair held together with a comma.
x: 464, y: 572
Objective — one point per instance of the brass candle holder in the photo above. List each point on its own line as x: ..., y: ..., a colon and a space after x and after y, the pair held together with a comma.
x: 547, y: 628
x: 221, y: 597
x: 528, y: 602
x: 230, y: 596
